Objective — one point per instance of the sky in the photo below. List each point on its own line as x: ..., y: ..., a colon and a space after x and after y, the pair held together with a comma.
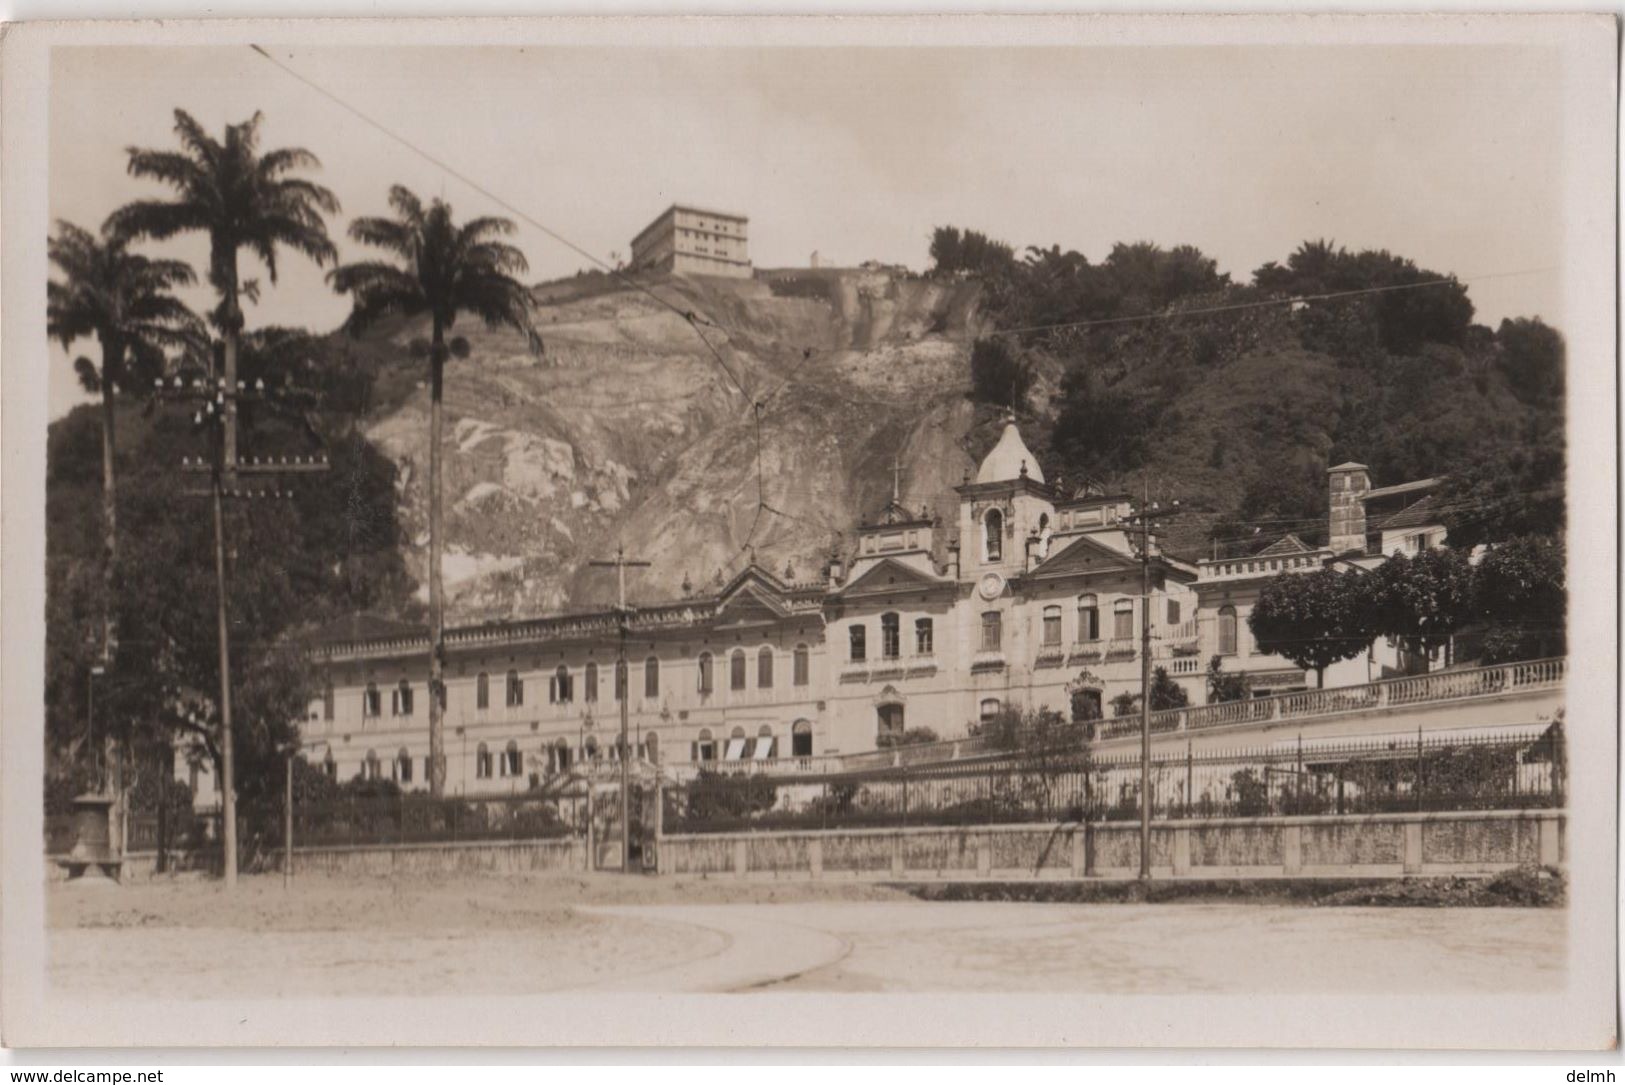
x: 1447, y: 155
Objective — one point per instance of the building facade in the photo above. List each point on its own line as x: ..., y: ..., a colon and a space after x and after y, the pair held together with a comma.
x: 693, y: 241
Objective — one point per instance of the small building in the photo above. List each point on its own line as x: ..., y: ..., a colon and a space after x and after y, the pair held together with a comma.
x: 694, y: 241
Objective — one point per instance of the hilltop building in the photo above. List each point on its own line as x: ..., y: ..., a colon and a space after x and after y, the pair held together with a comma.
x: 694, y: 241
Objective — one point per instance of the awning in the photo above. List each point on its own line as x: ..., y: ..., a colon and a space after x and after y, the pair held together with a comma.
x: 735, y: 749
x: 764, y: 747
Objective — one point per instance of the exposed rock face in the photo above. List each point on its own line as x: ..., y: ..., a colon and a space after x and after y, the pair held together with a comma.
x: 628, y: 431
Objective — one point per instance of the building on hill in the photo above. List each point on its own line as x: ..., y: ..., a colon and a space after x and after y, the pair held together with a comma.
x: 1035, y: 602
x: 693, y: 241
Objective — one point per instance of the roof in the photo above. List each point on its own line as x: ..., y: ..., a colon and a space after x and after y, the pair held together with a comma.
x: 1286, y: 544
x: 1420, y: 485
x: 1008, y: 458
x: 1421, y: 513
x: 1349, y: 466
x: 692, y: 210
x: 362, y: 627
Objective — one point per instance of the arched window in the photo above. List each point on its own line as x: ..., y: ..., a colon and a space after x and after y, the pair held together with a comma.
x: 403, y: 766
x: 705, y: 683
x: 375, y: 768
x: 765, y: 743
x: 736, y: 669
x: 327, y: 699
x: 482, y: 691
x: 1088, y: 618
x: 589, y: 683
x: 705, y: 747
x: 890, y: 718
x: 651, y: 678
x: 990, y: 708
x: 482, y: 762
x: 651, y: 747
x: 801, y: 739
x: 561, y: 756
x: 372, y: 703
x: 1123, y: 620
x: 620, y: 680
x: 513, y: 763
x: 563, y: 693
x: 993, y: 536
x: 891, y: 638
x: 1052, y: 626
x: 589, y: 748
x: 992, y: 631
x: 764, y: 668
x: 516, y: 690
x: 800, y: 667
x: 860, y: 642
x: 1227, y: 631
x: 401, y: 699
x: 922, y: 636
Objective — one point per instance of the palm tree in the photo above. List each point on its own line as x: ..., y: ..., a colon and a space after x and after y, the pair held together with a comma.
x: 441, y: 269
x: 123, y: 300
x: 241, y: 199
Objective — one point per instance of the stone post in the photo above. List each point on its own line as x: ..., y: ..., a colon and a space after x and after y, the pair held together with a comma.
x: 1549, y: 853
x: 1413, y: 847
x: 1182, y: 850
x: 741, y: 857
x: 1292, y: 848
x: 815, y: 858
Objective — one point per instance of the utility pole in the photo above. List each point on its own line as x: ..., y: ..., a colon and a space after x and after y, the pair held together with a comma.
x: 623, y: 682
x: 219, y: 398
x: 1146, y: 514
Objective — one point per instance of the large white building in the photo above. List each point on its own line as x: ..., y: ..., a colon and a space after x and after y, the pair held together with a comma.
x: 693, y: 241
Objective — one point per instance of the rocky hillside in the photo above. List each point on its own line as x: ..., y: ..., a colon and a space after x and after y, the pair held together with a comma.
x: 626, y: 430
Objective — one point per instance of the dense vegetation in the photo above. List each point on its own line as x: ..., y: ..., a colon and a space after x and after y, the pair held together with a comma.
x: 1236, y: 397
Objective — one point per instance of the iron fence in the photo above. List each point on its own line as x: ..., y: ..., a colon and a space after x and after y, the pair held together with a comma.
x: 1303, y: 777
x: 419, y: 819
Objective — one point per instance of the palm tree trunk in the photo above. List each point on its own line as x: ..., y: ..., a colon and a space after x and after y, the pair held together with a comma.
x: 437, y: 738
x: 109, y: 544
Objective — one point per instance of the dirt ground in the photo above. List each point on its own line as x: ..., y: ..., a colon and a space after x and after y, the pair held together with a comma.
x: 467, y: 936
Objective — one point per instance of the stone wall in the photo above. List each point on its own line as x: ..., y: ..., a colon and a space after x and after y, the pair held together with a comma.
x: 1467, y: 842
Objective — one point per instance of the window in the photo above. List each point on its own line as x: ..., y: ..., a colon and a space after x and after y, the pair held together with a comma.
x: 705, y: 748
x: 651, y: 677
x: 620, y: 679
x: 705, y: 673
x: 561, y: 756
x: 1227, y: 631
x: 589, y: 748
x: 1052, y: 626
x: 989, y: 708
x: 372, y: 703
x: 513, y: 761
x: 993, y: 536
x: 516, y: 690
x: 801, y: 739
x: 400, y: 701
x: 1123, y: 620
x: 482, y: 763
x: 764, y: 668
x: 922, y: 636
x: 765, y: 744
x: 736, y: 669
x: 891, y: 641
x: 1088, y: 618
x: 482, y: 691
x: 327, y: 699
x: 860, y: 643
x: 589, y: 683
x: 373, y: 769
x: 800, y: 669
x: 330, y: 768
x: 992, y: 631
x: 651, y: 747
x: 1173, y: 612
x: 891, y: 719
x: 561, y: 687
x: 403, y: 766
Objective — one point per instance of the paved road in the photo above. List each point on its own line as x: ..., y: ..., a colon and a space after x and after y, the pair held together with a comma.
x: 1107, y: 948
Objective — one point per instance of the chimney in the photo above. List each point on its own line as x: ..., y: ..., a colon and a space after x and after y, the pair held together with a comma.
x: 1346, y: 523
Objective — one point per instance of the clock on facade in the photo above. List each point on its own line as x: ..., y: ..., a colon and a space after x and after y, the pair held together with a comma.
x: 991, y: 586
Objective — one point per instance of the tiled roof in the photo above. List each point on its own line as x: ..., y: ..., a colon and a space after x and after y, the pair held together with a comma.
x: 1417, y: 514
x: 1286, y: 544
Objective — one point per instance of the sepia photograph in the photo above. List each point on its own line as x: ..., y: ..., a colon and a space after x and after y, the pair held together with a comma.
x: 758, y: 532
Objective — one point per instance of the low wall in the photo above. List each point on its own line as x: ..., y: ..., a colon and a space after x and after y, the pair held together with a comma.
x: 463, y: 857
x: 1378, y: 845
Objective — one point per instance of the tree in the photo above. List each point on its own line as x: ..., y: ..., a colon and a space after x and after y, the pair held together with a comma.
x: 1223, y: 686
x: 241, y: 199
x: 998, y: 376
x: 1520, y: 593
x: 125, y: 302
x: 443, y: 270
x: 1533, y: 358
x: 1422, y: 600
x: 1314, y: 619
x: 914, y: 736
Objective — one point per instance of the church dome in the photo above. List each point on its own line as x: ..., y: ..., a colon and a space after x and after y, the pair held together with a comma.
x: 1008, y: 457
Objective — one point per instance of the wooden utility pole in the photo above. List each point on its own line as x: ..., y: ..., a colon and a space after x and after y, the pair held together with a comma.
x: 623, y: 681
x: 219, y: 398
x: 1146, y: 514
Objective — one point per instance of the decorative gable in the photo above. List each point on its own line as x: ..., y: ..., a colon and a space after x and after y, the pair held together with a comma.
x: 1083, y: 555
x: 889, y: 575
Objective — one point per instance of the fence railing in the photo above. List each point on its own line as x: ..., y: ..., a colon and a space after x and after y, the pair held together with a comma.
x: 417, y: 819
x: 1381, y: 776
